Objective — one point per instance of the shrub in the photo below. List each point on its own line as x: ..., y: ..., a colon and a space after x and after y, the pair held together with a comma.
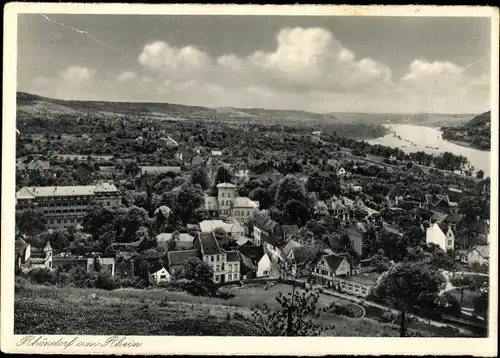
x: 225, y: 295
x: 196, y: 288
x: 349, y: 310
x: 388, y: 317
x: 106, y: 282
x: 42, y: 275
x: 128, y: 282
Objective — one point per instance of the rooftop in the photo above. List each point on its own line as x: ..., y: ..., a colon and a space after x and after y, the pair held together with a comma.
x: 484, y: 250
x: 47, y: 191
x: 360, y: 279
x: 176, y: 258
x: 209, y: 244
x: 244, y: 202
x: 232, y: 256
x: 165, y: 237
x: 211, y: 225
x: 154, y: 170
x: 225, y: 185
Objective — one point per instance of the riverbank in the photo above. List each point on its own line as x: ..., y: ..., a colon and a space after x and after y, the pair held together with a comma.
x: 467, y: 145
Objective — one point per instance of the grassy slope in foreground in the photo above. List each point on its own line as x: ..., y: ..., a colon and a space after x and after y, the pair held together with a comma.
x: 50, y: 310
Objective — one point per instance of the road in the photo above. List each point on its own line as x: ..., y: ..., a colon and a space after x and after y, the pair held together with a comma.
x: 383, y: 307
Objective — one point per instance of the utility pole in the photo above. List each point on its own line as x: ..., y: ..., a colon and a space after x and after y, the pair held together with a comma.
x: 402, y: 328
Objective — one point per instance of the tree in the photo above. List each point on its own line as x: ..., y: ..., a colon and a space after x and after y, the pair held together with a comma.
x: 161, y: 216
x: 200, y: 176
x: 187, y: 199
x: 380, y: 261
x: 59, y: 239
x: 295, y: 316
x: 296, y: 212
x: 289, y: 188
x: 197, y: 270
x: 96, y: 217
x: 263, y: 196
x: 30, y: 221
x: 131, y: 168
x: 222, y: 176
x: 480, y: 174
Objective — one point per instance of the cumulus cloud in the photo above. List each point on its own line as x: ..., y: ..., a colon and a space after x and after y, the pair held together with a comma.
x: 307, y: 69
x: 74, y: 81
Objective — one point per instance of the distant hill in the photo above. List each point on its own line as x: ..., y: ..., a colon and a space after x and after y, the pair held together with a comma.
x: 475, y: 133
x: 355, y: 125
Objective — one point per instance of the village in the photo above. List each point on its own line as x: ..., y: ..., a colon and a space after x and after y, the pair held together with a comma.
x: 330, y: 217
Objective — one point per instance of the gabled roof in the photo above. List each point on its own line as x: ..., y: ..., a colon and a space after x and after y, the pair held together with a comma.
x: 38, y: 164
x: 332, y: 260
x: 242, y: 240
x: 209, y: 244
x: 155, y: 267
x: 244, y: 202
x: 289, y: 246
x: 254, y: 253
x: 20, y: 245
x: 483, y: 250
x: 176, y: 258
x: 229, y: 227
x: 246, y: 262
x: 265, y: 223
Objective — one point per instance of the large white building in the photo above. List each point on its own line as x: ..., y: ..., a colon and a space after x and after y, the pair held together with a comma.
x: 441, y: 236
x: 227, y: 203
x: 65, y: 206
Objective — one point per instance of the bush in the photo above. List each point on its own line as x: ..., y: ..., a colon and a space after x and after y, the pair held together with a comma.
x: 349, y: 310
x: 42, y: 275
x: 388, y: 317
x: 106, y: 282
x: 225, y: 295
x: 127, y: 282
x: 196, y: 288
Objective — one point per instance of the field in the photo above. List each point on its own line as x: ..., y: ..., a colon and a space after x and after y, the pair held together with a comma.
x: 50, y: 310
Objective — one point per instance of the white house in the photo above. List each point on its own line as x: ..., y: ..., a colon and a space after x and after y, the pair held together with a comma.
x: 342, y: 173
x: 254, y: 262
x: 159, y: 273
x: 436, y: 234
x: 478, y: 254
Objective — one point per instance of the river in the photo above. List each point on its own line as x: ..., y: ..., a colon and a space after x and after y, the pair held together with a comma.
x: 425, y: 137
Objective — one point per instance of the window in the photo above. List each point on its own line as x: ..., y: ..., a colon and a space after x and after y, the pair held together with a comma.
x: 450, y: 242
x: 228, y: 195
x: 222, y: 194
x: 216, y: 278
x: 211, y: 259
x: 265, y: 272
x: 218, y: 257
x: 229, y: 277
x: 217, y: 267
x: 108, y: 203
x: 235, y: 276
x: 222, y: 266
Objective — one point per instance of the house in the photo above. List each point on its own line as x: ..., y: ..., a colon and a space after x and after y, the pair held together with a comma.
x: 455, y: 193
x: 227, y: 203
x: 177, y: 260
x: 341, y: 209
x: 254, y: 262
x: 139, y: 140
x: 216, y: 153
x: 242, y: 175
x: 441, y: 235
x: 265, y: 227
x: 159, y: 273
x: 225, y: 264
x: 289, y: 231
x: 38, y: 164
x: 233, y: 227
x: 168, y: 142
x: 288, y: 254
x: 197, y: 160
x: 341, y: 173
x: 244, y: 241
x: 184, y: 242
x: 22, y: 252
x: 243, y: 208
x: 325, y: 267
x: 359, y: 285
x: 182, y: 154
x: 83, y: 170
x: 356, y: 188
x: 395, y: 196
x: 479, y: 254
x: 441, y: 203
x: 41, y: 257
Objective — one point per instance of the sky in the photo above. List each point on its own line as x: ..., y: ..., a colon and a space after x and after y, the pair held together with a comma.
x: 319, y: 64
